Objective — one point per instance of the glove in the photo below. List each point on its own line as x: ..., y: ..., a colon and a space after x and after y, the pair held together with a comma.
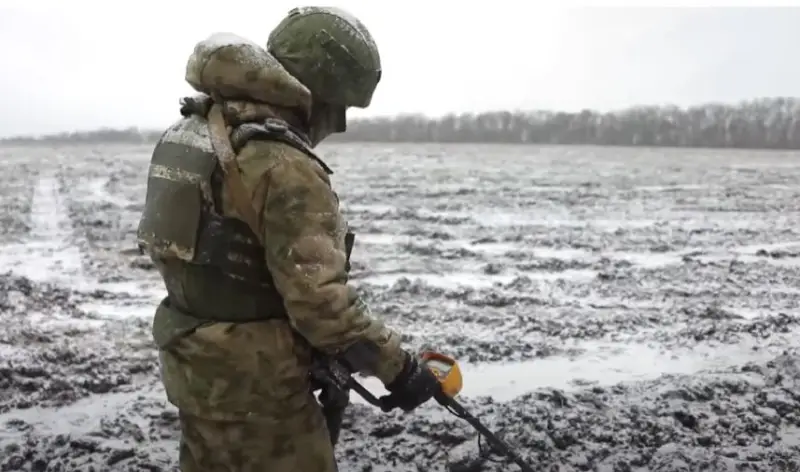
x: 415, y: 385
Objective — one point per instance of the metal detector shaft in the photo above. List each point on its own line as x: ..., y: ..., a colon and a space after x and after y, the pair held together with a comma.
x: 461, y: 412
x: 498, y: 443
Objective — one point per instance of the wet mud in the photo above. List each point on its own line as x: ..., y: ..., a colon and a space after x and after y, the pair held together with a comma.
x: 614, y: 309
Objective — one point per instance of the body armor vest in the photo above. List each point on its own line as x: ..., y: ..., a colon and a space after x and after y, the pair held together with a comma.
x: 213, y: 266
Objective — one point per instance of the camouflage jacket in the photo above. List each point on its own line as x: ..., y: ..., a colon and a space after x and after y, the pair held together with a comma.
x: 303, y: 233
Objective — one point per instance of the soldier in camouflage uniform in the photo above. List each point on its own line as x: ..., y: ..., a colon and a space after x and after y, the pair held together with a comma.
x: 245, y: 230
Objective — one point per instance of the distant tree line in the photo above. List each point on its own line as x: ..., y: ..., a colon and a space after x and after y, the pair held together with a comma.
x: 131, y: 135
x: 769, y: 123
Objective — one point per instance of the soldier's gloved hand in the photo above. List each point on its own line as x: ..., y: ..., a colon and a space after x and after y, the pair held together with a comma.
x: 415, y: 385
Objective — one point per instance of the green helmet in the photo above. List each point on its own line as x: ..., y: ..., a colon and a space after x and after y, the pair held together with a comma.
x: 330, y: 52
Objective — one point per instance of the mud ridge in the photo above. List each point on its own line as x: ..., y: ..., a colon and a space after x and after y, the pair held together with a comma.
x: 54, y: 353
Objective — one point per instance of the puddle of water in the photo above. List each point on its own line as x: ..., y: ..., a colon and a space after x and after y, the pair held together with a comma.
x: 9, y: 352
x: 563, y: 254
x: 500, y: 248
x: 642, y: 259
x: 450, y: 280
x: 613, y: 225
x: 603, y: 365
x: 790, y: 262
x: 670, y: 188
x: 649, y: 260
x: 501, y: 219
x: 747, y: 313
x: 455, y: 280
x: 148, y: 287
x: 379, y: 239
x: 112, y: 310
x: 60, y: 322
x: 549, y: 188
x: 83, y: 416
x: 790, y: 434
x: 753, y: 248
x: 494, y: 249
x: 99, y: 193
x: 373, y: 208
x: 143, y: 304
x: 144, y: 295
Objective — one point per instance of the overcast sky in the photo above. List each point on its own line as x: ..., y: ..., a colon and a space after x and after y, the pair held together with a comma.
x: 79, y: 65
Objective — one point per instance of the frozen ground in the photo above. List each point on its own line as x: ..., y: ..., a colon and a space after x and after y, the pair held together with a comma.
x: 615, y: 309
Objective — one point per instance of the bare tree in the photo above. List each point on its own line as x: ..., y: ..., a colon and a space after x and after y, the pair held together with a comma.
x: 770, y: 123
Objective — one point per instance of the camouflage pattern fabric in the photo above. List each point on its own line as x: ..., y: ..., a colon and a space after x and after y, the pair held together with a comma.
x: 243, y: 389
x: 245, y: 400
x: 234, y: 68
x: 258, y: 372
x: 305, y: 250
x: 261, y: 445
x: 331, y: 52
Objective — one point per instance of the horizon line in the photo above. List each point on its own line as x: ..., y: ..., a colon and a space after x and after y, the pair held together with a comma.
x: 410, y: 114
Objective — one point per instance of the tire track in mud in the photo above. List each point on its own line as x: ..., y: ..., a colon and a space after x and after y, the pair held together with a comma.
x: 48, y: 252
x: 101, y: 219
x: 16, y: 196
x: 100, y: 205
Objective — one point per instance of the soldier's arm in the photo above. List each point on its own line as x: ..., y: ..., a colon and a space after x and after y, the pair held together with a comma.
x: 303, y: 234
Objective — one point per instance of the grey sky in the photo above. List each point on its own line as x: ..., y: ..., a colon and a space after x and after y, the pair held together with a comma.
x: 81, y: 65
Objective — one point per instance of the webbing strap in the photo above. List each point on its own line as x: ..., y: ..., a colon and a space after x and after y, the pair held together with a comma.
x: 240, y: 197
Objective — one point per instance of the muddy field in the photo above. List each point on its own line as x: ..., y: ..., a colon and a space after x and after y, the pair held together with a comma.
x: 616, y: 310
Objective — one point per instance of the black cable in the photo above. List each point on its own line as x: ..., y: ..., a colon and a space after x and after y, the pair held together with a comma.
x: 485, y: 455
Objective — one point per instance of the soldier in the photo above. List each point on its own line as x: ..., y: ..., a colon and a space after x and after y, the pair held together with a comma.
x: 242, y: 223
